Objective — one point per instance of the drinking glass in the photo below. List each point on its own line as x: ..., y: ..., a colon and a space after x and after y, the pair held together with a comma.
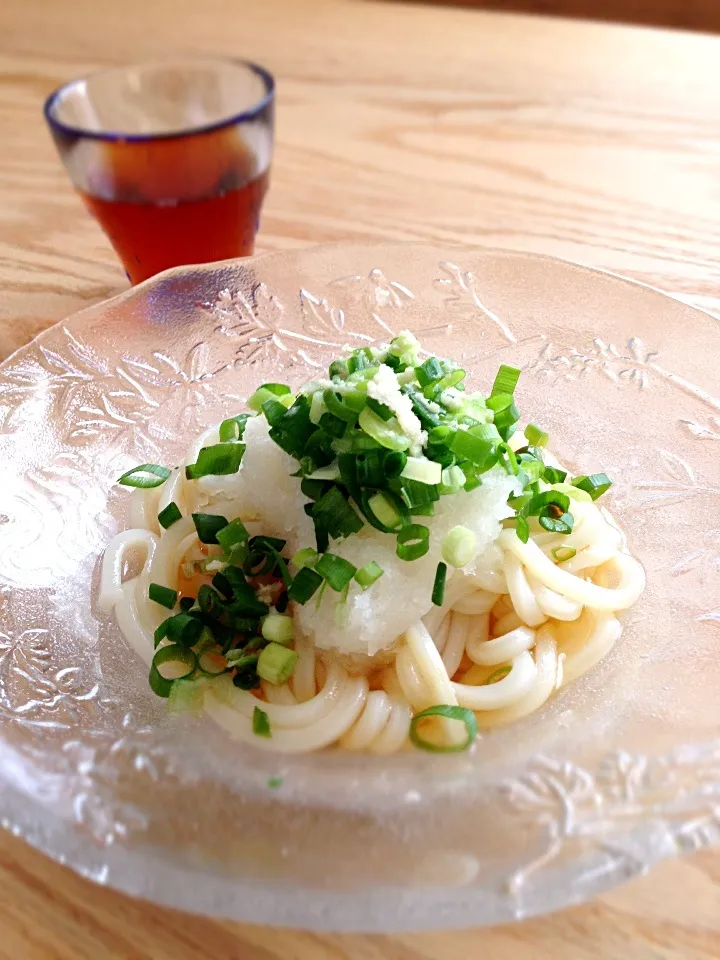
x: 172, y: 157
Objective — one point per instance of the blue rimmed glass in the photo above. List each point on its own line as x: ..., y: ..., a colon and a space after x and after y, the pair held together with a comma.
x: 171, y: 157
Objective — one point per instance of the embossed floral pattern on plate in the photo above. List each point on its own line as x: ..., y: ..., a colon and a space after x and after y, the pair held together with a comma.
x: 95, y: 772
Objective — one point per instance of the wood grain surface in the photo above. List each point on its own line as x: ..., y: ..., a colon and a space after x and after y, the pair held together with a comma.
x: 596, y: 143
x: 683, y: 14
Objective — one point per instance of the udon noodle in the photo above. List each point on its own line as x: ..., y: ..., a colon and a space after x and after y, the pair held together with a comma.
x: 504, y: 639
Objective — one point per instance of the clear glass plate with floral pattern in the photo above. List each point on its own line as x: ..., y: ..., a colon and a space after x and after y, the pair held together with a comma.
x: 619, y: 771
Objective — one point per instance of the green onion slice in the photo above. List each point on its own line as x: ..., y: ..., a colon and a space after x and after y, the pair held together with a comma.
x: 383, y: 510
x: 554, y: 475
x: 336, y: 571
x: 307, y: 557
x: 505, y: 380
x: 184, y: 629
x: 536, y: 436
x: 451, y: 713
x: 276, y: 664
x: 261, y: 723
x: 170, y: 515
x: 596, y: 484
x: 388, y: 434
x: 246, y: 676
x: 304, y: 585
x: 267, y: 391
x: 561, y: 554
x: 438, y: 590
x: 333, y: 513
x: 208, y: 525
x: 498, y: 674
x: 562, y: 524
x: 145, y: 476
x: 278, y: 628
x: 220, y: 460
x: 413, y: 542
x: 367, y: 575
x: 233, y: 428
x: 163, y: 595
x: 522, y: 528
x: 231, y: 535
x: 458, y: 546
x: 169, y: 664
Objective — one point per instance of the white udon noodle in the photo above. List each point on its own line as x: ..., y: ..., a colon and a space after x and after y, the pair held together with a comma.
x: 537, y: 623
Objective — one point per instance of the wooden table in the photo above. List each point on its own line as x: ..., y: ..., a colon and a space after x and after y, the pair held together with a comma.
x: 595, y: 143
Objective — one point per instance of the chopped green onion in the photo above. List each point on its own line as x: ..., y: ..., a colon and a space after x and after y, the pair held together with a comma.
x: 360, y: 360
x: 438, y: 590
x: 562, y: 524
x: 367, y: 575
x: 276, y: 664
x: 163, y: 595
x: 295, y: 429
x: 561, y: 554
x: 170, y: 515
x: 575, y: 493
x: 274, y: 411
x: 329, y: 473
x: 275, y: 782
x: 278, y: 628
x: 169, y: 664
x: 472, y: 448
x: 212, y: 662
x: 338, y: 368
x: 208, y: 526
x: 233, y: 428
x: 416, y: 494
x: 507, y: 459
x: 336, y: 571
x: 532, y: 468
x: 413, y: 542
x: 220, y: 460
x: 522, y: 528
x: 184, y: 629
x: 383, y: 510
x: 540, y: 503
x: 429, y: 371
x: 333, y: 513
x: 389, y: 435
x: 451, y: 713
x: 505, y: 380
x: 162, y: 630
x: 596, y: 484
x: 499, y: 402
x: 422, y: 410
x: 536, y: 436
x: 209, y: 600
x: 554, y: 475
x: 498, y: 674
x: 381, y: 409
x: 458, y: 546
x: 261, y: 723
x: 307, y: 557
x: 452, y: 480
x: 268, y: 391
x: 145, y: 476
x: 304, y: 585
x: 246, y: 676
x: 339, y: 408
x: 231, y: 535
x: 422, y: 469
x: 451, y: 379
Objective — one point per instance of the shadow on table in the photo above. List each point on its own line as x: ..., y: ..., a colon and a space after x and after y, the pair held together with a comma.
x: 684, y: 14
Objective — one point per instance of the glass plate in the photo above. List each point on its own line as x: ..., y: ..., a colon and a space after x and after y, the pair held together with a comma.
x: 619, y: 771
